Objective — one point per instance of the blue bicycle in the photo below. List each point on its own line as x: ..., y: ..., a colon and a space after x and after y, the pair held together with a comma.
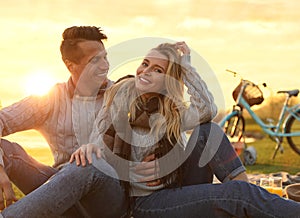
x: 247, y: 94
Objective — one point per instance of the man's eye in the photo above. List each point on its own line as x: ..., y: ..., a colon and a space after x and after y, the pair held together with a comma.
x: 144, y: 64
x: 94, y: 60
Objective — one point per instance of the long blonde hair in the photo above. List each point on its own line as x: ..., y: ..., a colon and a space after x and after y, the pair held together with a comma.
x: 171, y: 104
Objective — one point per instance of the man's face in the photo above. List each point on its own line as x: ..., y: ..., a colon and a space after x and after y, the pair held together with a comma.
x: 93, y: 65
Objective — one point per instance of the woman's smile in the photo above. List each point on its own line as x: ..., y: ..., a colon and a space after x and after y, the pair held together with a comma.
x: 143, y: 80
x: 150, y: 75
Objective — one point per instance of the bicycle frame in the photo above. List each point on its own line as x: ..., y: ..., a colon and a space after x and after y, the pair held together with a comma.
x: 272, y: 130
x: 234, y: 122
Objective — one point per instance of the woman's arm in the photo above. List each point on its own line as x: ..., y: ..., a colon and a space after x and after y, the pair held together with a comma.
x: 202, y: 107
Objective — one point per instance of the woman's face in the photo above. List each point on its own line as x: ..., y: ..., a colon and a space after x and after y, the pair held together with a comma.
x: 150, y: 75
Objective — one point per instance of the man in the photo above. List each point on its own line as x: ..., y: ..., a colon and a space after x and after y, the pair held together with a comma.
x: 55, y: 114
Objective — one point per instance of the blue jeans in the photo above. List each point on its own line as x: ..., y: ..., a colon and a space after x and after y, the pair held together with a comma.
x: 212, y: 154
x: 61, y: 194
x: 100, y: 194
x: 24, y: 171
x: 233, y: 198
x: 198, y: 198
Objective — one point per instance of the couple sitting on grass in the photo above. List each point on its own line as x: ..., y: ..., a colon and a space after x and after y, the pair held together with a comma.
x: 137, y: 161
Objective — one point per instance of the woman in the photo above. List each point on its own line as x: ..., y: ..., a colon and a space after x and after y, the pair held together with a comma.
x: 146, y: 115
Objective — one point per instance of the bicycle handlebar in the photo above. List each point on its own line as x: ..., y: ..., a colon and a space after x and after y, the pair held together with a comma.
x: 234, y: 73
x: 238, y: 74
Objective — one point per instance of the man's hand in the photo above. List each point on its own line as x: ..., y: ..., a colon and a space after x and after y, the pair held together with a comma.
x: 85, y: 152
x: 150, y: 170
x: 7, y: 195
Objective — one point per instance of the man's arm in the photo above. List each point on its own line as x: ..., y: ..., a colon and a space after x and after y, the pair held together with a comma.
x: 22, y: 115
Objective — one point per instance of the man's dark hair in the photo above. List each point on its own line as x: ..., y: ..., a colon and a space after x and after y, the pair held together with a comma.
x: 73, y: 35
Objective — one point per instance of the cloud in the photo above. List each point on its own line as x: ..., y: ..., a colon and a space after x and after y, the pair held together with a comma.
x: 190, y: 23
x: 144, y: 21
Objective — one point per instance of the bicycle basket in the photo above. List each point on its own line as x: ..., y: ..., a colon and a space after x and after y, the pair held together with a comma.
x: 252, y: 93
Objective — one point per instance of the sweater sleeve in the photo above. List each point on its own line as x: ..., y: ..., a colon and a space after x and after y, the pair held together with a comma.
x: 202, y: 107
x: 28, y: 113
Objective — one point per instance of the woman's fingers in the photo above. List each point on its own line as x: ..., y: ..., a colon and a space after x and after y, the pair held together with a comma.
x: 154, y: 183
x: 79, y: 156
x: 91, y: 148
x: 89, y: 152
x: 182, y: 46
x: 146, y: 168
x: 82, y: 154
x: 85, y: 152
x: 149, y: 158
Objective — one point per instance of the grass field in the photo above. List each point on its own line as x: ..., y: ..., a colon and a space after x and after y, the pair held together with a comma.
x: 287, y: 161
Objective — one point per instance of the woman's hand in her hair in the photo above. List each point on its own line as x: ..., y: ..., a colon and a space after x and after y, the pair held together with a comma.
x: 85, y: 152
x: 183, y: 47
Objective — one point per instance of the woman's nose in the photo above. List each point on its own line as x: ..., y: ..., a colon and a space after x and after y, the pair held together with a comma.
x: 146, y: 71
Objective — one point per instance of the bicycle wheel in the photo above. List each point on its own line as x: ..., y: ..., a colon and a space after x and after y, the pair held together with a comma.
x: 293, y: 125
x: 234, y: 128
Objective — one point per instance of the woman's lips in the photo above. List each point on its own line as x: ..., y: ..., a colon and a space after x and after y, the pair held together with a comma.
x: 144, y: 80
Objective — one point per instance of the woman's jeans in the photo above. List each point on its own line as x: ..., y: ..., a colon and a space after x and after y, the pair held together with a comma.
x: 197, y: 199
x: 229, y: 199
x: 99, y: 194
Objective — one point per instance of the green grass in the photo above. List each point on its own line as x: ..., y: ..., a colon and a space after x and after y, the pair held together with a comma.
x: 288, y: 161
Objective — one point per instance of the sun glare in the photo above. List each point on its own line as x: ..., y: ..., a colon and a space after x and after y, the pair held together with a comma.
x: 38, y: 83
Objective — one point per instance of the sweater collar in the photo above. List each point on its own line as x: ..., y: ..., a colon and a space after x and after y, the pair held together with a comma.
x: 71, y: 88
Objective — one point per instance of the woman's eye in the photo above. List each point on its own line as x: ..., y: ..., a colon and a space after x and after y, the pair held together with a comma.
x: 144, y: 64
x: 158, y: 71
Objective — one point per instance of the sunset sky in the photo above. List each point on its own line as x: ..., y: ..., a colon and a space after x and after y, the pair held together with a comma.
x: 258, y: 38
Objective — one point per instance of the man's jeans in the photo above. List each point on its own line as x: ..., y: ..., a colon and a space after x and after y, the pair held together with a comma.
x: 101, y: 195
x: 24, y: 171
